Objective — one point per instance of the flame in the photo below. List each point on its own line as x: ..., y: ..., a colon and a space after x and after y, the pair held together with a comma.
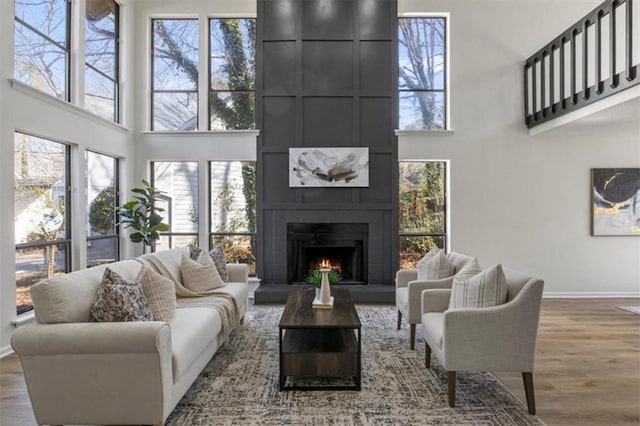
x: 327, y: 263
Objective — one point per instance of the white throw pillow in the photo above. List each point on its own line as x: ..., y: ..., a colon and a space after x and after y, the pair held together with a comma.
x: 160, y: 292
x: 468, y: 271
x: 422, y: 268
x: 200, y: 276
x: 438, y: 267
x: 488, y: 288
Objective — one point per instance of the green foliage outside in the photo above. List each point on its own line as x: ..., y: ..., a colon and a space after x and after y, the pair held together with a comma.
x: 315, y: 277
x: 102, y: 211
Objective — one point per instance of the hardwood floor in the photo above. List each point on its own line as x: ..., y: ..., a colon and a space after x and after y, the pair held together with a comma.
x: 587, y: 367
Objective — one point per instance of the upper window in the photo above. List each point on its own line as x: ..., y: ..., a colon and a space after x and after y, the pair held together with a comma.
x: 41, y: 40
x: 233, y: 76
x: 422, y: 83
x: 101, y: 58
x: 175, y: 74
x: 42, y: 196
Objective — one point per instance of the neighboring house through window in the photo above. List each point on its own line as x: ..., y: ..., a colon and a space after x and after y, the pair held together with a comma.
x: 42, y: 196
x: 423, y: 73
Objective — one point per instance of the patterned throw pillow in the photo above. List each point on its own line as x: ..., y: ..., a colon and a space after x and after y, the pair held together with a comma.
x: 488, y: 288
x: 422, y: 271
x: 194, y: 252
x: 439, y: 267
x: 160, y: 293
x: 221, y: 263
x: 200, y: 276
x: 119, y: 300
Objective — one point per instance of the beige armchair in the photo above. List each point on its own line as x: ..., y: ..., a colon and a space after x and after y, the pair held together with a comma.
x: 498, y: 338
x: 409, y: 290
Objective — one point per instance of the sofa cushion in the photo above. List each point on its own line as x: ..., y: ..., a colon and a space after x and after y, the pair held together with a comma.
x: 422, y: 272
x: 438, y: 267
x: 192, y: 330
x: 219, y: 259
x: 200, y: 276
x: 68, y: 297
x: 488, y: 288
x: 119, y: 300
x: 160, y: 293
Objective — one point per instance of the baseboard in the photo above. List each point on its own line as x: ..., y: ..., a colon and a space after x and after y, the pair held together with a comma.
x: 590, y: 295
x: 7, y: 350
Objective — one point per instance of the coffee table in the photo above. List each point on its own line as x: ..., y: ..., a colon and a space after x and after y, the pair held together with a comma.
x: 320, y: 343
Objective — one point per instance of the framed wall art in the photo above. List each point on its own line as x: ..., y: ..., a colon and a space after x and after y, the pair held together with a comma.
x: 616, y: 201
x: 339, y: 167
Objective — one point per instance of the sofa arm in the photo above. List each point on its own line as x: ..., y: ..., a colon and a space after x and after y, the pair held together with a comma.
x: 97, y: 373
x: 415, y: 296
x: 404, y: 276
x: 435, y: 300
x: 238, y: 272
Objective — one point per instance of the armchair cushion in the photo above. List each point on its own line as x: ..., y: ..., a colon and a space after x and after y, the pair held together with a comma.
x: 488, y: 288
x: 119, y: 300
x: 438, y: 267
x: 421, y: 266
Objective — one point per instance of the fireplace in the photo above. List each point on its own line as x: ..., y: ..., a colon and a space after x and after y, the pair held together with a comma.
x: 343, y: 247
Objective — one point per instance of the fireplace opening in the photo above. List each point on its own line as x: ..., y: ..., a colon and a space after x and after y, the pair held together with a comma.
x: 340, y: 246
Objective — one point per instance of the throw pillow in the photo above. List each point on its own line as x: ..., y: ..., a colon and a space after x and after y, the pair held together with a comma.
x: 194, y: 252
x: 200, y: 276
x: 438, y: 267
x: 160, y: 293
x: 468, y: 271
x: 221, y: 263
x: 488, y: 288
x: 422, y: 272
x: 119, y: 300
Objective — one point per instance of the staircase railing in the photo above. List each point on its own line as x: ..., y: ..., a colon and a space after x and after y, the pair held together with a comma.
x: 591, y: 60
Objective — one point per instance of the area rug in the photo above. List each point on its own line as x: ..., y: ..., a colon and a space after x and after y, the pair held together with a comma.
x: 633, y: 309
x: 239, y: 386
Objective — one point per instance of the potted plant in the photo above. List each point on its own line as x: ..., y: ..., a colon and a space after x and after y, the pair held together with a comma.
x: 315, y: 277
x: 141, y: 214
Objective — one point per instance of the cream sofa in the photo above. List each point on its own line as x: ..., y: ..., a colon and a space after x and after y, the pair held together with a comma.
x: 82, y: 372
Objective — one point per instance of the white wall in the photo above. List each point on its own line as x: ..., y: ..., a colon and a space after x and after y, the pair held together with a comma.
x: 24, y: 109
x: 515, y: 199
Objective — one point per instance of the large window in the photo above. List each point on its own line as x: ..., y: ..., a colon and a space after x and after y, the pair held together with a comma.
x: 42, y: 196
x: 232, y: 74
x: 233, y: 210
x: 101, y: 58
x: 422, y: 73
x: 102, y: 198
x: 423, y: 209
x: 42, y: 41
x: 175, y: 74
x: 179, y: 182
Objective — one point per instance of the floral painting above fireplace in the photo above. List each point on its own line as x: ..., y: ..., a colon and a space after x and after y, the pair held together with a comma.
x: 616, y: 201
x: 313, y: 167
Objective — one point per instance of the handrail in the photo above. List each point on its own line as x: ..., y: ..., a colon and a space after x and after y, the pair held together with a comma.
x: 551, y: 90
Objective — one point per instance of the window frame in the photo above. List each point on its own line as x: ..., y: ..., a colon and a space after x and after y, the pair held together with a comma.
x: 211, y: 92
x: 116, y: 200
x: 446, y: 75
x: 66, y: 242
x: 116, y: 80
x: 67, y: 49
x: 196, y: 90
x: 444, y: 235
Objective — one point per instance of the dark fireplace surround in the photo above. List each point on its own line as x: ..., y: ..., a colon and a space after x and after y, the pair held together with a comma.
x: 341, y: 246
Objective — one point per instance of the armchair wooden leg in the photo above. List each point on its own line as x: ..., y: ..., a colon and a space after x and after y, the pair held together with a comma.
x: 413, y: 336
x: 427, y: 355
x: 399, y: 319
x: 527, y: 378
x: 451, y: 384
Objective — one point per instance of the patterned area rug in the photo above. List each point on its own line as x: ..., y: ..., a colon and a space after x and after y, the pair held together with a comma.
x: 239, y: 386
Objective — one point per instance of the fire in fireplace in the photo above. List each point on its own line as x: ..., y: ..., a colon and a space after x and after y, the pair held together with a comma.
x: 340, y: 246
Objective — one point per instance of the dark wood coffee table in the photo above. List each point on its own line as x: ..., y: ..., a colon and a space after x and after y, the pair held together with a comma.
x: 320, y: 343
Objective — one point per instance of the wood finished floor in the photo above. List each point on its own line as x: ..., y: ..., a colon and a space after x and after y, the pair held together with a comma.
x: 587, y: 367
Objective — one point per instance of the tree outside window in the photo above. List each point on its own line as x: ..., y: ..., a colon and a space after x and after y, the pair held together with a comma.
x: 422, y: 199
x: 422, y: 81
